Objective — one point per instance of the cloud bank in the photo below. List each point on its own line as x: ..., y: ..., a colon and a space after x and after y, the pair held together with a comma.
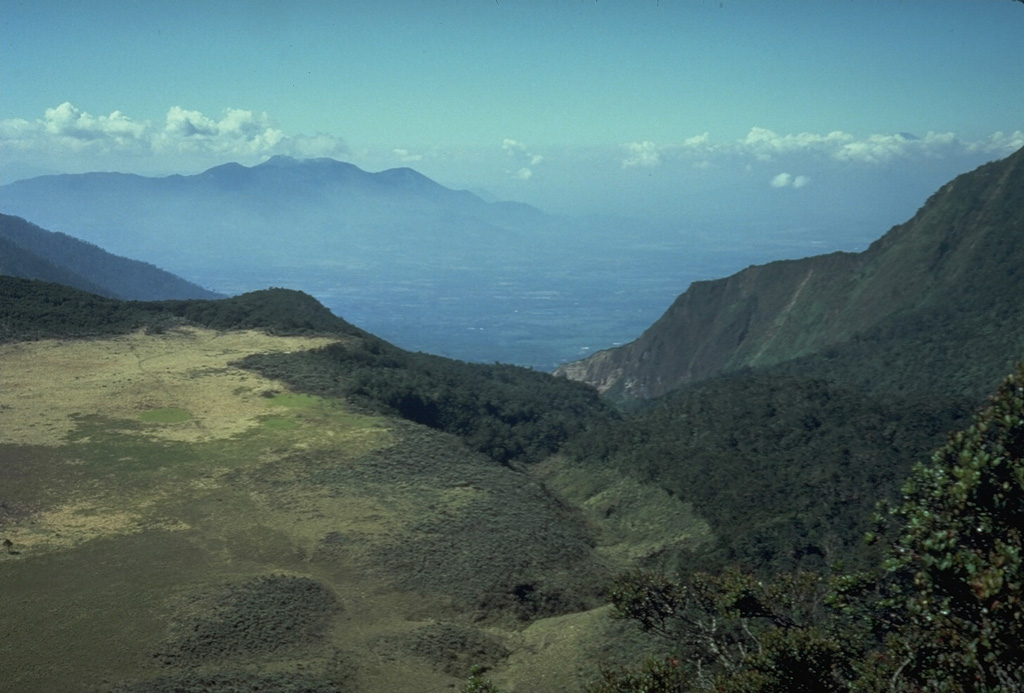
x: 240, y: 134
x: 762, y: 144
x: 641, y: 154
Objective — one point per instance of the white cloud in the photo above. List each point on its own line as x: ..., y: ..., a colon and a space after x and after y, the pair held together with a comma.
x: 785, y: 180
x: 72, y: 130
x: 523, y: 159
x: 698, y: 141
x: 641, y: 154
x: 880, y: 148
x: 406, y: 156
x: 765, y: 144
x: 999, y: 143
x: 237, y: 134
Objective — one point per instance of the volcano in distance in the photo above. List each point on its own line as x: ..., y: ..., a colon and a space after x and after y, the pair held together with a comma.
x: 279, y: 212
x: 948, y: 282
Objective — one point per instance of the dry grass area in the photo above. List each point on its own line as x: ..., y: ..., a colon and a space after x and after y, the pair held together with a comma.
x: 141, y: 471
x: 43, y: 384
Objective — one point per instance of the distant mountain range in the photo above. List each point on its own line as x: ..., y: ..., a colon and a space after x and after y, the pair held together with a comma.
x: 30, y: 252
x: 282, y: 212
x: 947, y: 283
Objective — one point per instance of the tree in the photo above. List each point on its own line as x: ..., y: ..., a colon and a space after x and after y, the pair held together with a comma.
x: 952, y: 582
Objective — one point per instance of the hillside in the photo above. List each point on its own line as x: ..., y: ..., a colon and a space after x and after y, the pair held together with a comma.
x: 34, y: 309
x: 253, y: 493
x: 785, y: 469
x: 30, y: 252
x: 957, y: 266
x: 194, y: 522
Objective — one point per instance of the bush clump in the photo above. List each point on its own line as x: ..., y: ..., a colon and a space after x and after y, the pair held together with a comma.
x: 257, y: 616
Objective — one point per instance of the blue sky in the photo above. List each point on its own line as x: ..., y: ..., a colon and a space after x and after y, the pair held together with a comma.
x: 575, y: 105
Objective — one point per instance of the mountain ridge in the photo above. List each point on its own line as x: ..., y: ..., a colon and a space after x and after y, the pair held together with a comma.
x: 31, y: 252
x: 963, y: 250
x: 234, y: 216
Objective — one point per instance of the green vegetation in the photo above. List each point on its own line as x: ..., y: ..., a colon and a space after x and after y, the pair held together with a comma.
x: 896, y: 318
x: 238, y: 682
x: 292, y: 400
x: 353, y: 531
x: 953, y: 577
x: 164, y: 415
x: 495, y: 543
x: 255, y: 617
x: 478, y: 684
x: 786, y: 470
x: 506, y: 412
x: 942, y: 610
x: 454, y: 649
x: 41, y: 310
x: 510, y: 413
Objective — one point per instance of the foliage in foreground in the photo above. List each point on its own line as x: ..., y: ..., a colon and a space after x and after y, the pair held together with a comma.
x: 943, y: 612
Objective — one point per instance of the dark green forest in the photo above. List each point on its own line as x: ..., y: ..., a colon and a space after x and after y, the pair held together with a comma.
x: 512, y: 414
x: 941, y: 609
x: 785, y: 469
x: 34, y: 309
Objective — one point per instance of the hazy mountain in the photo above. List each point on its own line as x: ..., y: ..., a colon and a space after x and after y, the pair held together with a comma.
x: 281, y: 212
x: 30, y: 252
x: 934, y: 298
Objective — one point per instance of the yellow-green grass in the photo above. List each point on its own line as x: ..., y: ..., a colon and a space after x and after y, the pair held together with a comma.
x: 119, y: 522
x: 113, y: 524
x: 165, y: 415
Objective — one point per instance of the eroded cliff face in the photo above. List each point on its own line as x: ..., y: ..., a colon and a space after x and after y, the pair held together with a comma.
x: 767, y: 314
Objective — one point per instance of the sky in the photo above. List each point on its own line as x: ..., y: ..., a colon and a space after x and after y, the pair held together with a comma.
x: 638, y: 107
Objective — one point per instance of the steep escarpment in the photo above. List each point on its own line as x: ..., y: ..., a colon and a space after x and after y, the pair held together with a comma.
x: 962, y: 254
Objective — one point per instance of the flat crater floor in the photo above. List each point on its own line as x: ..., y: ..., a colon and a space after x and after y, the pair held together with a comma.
x: 170, y: 520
